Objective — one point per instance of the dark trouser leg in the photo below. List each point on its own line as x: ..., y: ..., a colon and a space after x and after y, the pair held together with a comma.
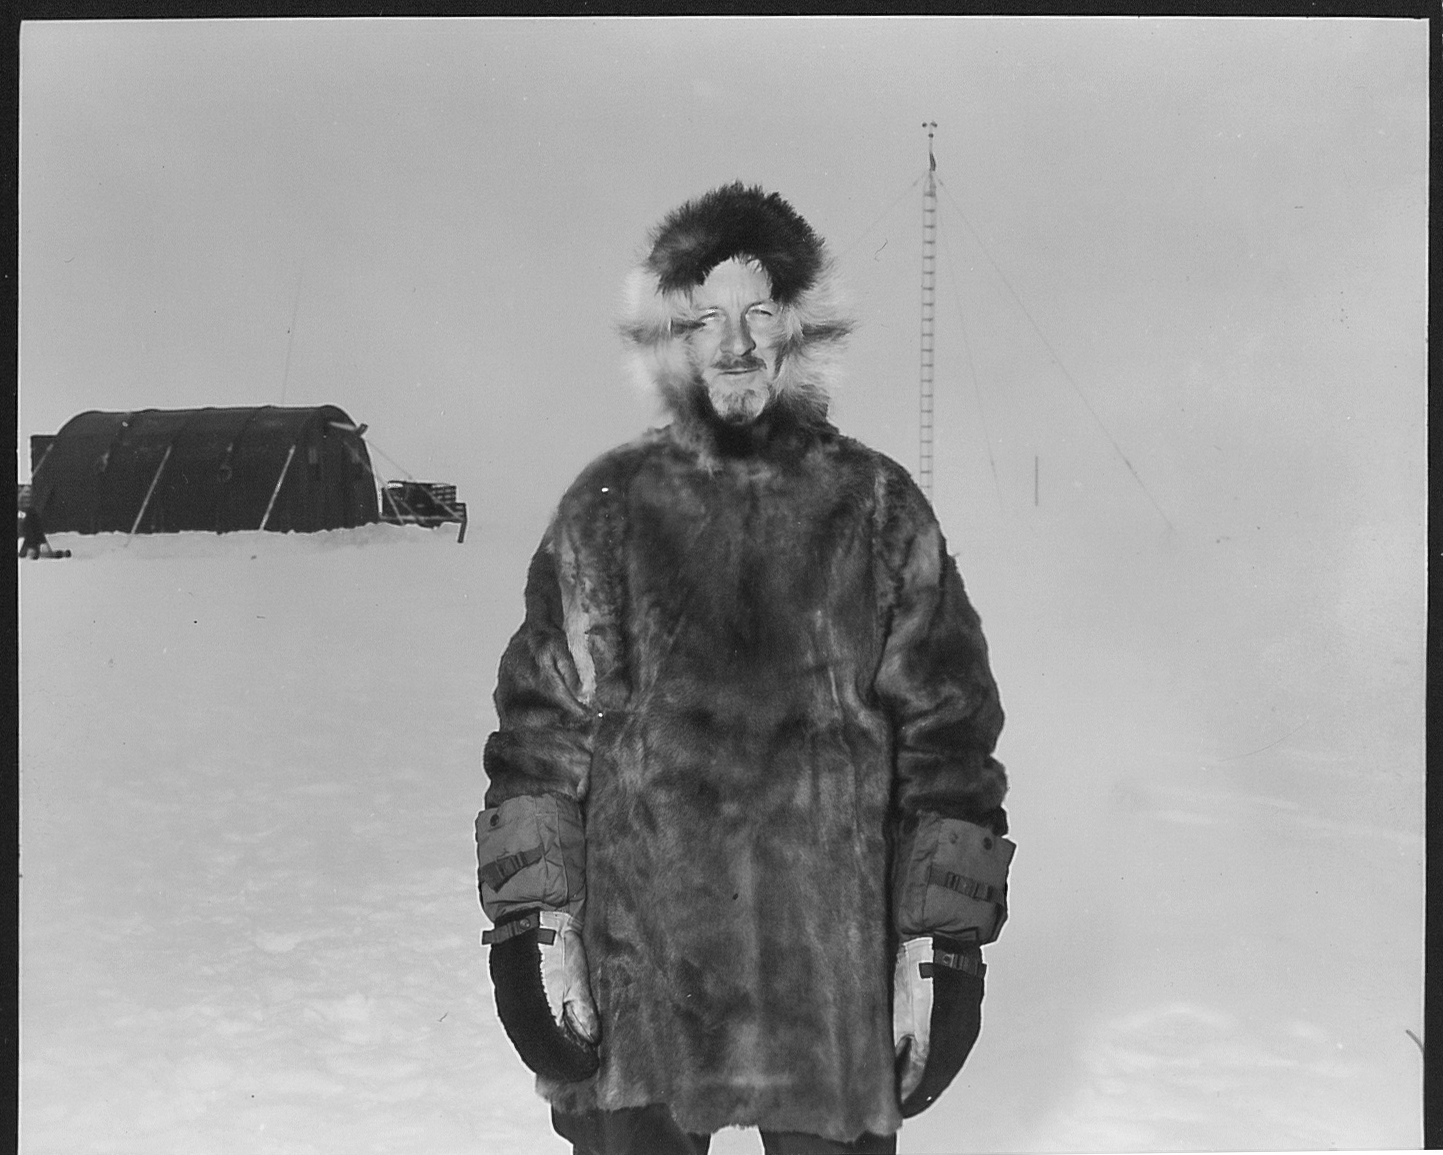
x: 797, y: 1143
x: 630, y: 1131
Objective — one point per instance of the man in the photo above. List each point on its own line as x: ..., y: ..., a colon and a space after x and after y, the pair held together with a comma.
x: 743, y: 836
x: 33, y: 542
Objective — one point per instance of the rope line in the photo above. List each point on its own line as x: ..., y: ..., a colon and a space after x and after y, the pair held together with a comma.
x: 374, y: 448
x: 863, y: 234
x: 972, y: 368
x: 1057, y: 360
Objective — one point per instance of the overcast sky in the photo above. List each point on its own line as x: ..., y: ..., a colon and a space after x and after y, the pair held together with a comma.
x: 1181, y: 287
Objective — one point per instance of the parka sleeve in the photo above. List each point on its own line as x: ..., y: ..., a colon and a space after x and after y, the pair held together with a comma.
x: 934, y: 677
x: 544, y: 740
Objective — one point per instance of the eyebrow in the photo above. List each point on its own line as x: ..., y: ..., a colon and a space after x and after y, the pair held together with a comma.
x: 769, y: 302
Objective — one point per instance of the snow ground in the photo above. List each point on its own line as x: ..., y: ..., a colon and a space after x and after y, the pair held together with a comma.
x: 249, y: 770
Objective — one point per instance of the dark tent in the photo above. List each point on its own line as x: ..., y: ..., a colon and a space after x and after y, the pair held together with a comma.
x: 166, y: 470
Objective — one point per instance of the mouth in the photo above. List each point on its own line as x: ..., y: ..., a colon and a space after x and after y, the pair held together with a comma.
x: 740, y: 370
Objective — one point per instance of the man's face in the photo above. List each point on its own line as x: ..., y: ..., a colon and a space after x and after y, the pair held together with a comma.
x: 735, y: 348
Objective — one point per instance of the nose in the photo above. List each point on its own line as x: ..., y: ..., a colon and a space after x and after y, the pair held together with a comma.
x: 737, y: 340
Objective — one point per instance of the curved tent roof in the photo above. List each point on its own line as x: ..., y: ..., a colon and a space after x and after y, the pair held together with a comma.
x: 165, y: 470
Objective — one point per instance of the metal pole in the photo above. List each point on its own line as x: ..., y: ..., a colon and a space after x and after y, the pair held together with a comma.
x: 279, y: 482
x: 36, y: 470
x: 149, y: 493
x: 291, y: 332
x: 929, y: 285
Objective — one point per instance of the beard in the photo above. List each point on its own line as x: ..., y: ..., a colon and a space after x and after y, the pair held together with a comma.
x: 739, y: 398
x: 741, y: 402
x: 755, y: 417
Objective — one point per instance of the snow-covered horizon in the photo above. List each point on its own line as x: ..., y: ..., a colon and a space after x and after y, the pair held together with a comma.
x: 249, y: 769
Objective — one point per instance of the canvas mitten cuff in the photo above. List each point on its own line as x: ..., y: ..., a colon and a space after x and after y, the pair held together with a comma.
x: 951, y: 878
x: 936, y: 1015
x: 530, y: 853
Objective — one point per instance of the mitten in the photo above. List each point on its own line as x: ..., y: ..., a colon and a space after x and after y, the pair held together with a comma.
x: 949, y: 899
x: 543, y: 993
x: 936, y: 1016
x: 530, y: 856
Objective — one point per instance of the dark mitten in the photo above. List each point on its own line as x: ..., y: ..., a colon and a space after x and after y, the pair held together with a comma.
x: 938, y: 1015
x: 545, y: 1037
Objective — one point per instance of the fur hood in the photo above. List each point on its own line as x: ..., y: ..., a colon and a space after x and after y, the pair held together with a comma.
x: 735, y: 221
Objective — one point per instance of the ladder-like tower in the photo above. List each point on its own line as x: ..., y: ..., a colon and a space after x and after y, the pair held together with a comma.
x: 929, y: 286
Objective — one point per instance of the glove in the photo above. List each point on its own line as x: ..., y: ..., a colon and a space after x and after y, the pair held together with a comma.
x: 936, y: 1014
x: 543, y: 994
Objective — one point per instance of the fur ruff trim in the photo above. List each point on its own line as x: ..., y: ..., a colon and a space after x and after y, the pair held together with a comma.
x: 731, y: 221
x: 734, y: 221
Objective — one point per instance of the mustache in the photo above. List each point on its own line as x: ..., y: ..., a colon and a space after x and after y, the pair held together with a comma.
x: 738, y: 364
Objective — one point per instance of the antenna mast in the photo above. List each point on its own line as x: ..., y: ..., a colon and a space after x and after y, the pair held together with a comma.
x: 929, y: 285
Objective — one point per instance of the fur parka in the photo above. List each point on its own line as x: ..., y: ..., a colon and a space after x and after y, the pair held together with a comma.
x: 749, y: 656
